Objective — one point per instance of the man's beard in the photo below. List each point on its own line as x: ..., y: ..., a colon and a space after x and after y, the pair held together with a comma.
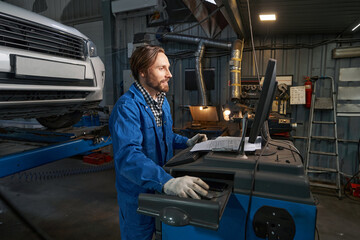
x: 162, y: 86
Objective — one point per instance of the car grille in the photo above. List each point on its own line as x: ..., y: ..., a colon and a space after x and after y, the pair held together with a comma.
x: 13, y: 95
x: 23, y: 34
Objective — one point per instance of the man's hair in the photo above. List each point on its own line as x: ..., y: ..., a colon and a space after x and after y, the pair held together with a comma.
x: 142, y: 59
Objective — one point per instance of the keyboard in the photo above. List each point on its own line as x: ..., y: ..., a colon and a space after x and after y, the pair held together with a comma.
x: 185, y: 156
x: 216, y: 189
x: 216, y: 186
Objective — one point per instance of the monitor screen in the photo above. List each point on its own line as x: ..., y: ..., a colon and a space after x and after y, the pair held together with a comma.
x: 265, y: 101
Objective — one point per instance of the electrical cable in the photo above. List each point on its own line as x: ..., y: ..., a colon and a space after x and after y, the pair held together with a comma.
x: 290, y: 144
x: 189, y: 15
x: 297, y: 152
x: 266, y: 125
x: 316, y: 200
x: 317, y: 233
x: 181, y: 54
x: 301, y: 45
x: 190, y: 54
x: 268, y: 139
x: 253, y: 187
x: 252, y: 42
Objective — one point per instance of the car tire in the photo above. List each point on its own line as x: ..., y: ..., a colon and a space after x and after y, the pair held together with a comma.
x: 60, y: 121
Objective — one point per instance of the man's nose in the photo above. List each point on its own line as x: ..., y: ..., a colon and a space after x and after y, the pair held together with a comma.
x: 168, y: 73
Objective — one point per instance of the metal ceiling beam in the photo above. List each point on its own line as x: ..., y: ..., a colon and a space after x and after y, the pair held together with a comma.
x: 231, y: 12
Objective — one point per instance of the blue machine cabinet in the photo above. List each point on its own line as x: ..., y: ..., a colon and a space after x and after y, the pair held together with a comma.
x: 282, y: 206
x: 232, y: 224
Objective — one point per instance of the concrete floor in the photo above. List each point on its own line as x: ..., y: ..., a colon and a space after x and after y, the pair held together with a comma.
x: 81, y: 206
x: 84, y: 206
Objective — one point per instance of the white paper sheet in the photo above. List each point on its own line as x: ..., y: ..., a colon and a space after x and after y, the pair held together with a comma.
x: 227, y: 144
x: 297, y: 95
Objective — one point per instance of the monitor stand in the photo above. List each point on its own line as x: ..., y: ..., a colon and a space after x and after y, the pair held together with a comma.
x: 241, y: 149
x: 267, y: 151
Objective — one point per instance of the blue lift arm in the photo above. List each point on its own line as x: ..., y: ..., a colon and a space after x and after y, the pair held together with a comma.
x: 18, y: 162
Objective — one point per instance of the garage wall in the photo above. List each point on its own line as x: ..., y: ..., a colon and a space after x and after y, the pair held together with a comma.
x: 64, y: 11
x: 305, y: 55
x: 178, y: 97
x: 94, y: 30
x: 300, y: 56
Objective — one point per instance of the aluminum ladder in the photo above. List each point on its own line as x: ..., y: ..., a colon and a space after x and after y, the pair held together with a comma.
x: 323, y: 104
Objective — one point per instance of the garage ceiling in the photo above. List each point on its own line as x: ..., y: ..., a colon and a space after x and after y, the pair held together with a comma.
x: 294, y: 16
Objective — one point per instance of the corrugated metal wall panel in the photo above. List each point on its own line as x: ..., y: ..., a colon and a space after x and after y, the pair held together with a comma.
x: 348, y: 125
x: 69, y: 12
x: 94, y: 30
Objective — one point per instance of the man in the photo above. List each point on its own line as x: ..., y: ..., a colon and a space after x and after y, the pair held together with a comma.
x: 143, y: 140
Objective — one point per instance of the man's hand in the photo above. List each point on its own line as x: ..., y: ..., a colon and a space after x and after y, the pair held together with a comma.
x: 195, y: 139
x: 186, y: 187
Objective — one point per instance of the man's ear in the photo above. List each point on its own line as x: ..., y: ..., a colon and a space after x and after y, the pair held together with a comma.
x: 142, y: 74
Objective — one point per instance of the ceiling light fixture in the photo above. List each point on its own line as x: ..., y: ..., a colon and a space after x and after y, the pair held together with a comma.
x: 267, y: 17
x: 211, y: 1
x: 355, y: 27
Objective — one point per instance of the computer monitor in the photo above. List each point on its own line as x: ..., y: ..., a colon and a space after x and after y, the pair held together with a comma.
x: 265, y: 102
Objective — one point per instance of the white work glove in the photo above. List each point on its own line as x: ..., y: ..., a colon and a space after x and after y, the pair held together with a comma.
x: 186, y: 187
x: 195, y: 139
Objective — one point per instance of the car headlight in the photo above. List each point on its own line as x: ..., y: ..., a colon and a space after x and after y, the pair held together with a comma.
x: 92, y: 49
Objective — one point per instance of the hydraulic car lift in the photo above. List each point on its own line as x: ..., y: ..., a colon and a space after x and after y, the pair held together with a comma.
x: 52, y: 146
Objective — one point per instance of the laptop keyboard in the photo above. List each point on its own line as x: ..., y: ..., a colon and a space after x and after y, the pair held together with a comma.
x: 183, y: 157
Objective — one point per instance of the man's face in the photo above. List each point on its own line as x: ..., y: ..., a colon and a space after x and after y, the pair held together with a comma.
x: 158, y: 75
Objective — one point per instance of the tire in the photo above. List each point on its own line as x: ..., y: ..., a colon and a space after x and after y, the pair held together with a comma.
x: 60, y: 121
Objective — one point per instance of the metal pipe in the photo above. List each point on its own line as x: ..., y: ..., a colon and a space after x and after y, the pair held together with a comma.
x: 195, y: 40
x: 201, y: 42
x: 235, y: 70
x: 339, y: 140
x: 199, y: 74
x: 235, y: 63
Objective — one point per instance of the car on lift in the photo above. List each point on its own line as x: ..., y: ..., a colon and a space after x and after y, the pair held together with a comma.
x: 48, y: 71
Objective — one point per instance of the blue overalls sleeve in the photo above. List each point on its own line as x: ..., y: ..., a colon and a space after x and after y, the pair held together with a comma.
x: 179, y: 142
x: 128, y: 130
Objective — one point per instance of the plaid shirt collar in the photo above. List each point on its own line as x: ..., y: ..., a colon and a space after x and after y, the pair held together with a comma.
x: 155, y: 105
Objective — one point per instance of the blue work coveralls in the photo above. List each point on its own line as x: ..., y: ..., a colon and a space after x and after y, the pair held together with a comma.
x: 140, y: 150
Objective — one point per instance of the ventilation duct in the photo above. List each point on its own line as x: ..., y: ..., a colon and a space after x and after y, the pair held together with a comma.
x: 202, y: 43
x: 199, y: 74
x: 235, y: 70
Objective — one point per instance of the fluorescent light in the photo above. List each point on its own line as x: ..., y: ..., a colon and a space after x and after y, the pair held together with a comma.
x: 346, y: 52
x: 267, y: 17
x: 211, y: 1
x: 355, y: 27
